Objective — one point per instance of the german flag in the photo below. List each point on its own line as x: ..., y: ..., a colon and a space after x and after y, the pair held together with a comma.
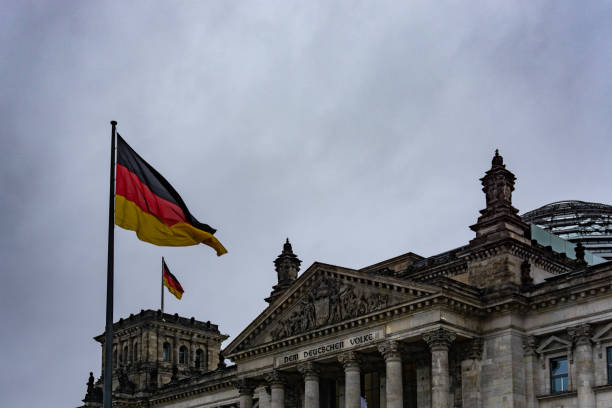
x: 171, y: 282
x: 146, y: 203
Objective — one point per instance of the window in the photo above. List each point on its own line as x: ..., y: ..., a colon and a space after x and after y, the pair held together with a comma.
x: 115, y: 361
x: 183, y: 355
x: 199, y: 360
x: 558, y: 374
x: 166, y: 352
x: 135, y: 353
x: 124, y: 355
x: 609, y: 352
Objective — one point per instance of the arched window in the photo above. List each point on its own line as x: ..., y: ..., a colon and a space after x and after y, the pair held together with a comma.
x: 115, y: 361
x: 199, y: 360
x: 166, y: 352
x: 124, y: 355
x: 183, y: 355
x: 135, y: 352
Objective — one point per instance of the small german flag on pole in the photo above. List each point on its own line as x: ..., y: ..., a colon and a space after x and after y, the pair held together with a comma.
x: 170, y: 281
x: 146, y: 203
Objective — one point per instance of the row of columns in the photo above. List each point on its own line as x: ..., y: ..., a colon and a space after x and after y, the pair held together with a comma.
x: 439, y: 342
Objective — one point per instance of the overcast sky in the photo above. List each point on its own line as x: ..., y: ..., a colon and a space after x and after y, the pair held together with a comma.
x: 357, y: 129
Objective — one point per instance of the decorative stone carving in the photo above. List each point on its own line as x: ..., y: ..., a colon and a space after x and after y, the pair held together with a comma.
x: 275, y: 377
x: 529, y: 346
x: 349, y: 359
x: 580, y: 334
x: 244, y: 386
x: 439, y: 338
x: 526, y: 278
x: 390, y: 349
x: 309, y: 369
x: 328, y: 302
x: 125, y: 385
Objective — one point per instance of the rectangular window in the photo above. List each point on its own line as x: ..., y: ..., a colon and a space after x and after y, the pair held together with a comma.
x: 609, y: 352
x: 558, y: 374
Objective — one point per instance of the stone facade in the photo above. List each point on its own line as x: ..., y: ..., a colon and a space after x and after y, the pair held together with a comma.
x: 498, y: 323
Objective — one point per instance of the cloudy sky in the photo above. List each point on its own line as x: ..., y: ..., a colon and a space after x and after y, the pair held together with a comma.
x: 358, y: 129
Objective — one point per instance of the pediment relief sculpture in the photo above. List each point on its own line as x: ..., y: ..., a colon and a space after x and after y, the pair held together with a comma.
x: 331, y: 301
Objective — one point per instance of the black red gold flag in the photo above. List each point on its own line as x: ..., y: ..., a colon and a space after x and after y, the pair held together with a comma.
x: 171, y: 282
x: 146, y: 203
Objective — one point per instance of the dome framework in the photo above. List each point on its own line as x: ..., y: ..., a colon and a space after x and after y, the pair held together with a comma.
x: 577, y: 221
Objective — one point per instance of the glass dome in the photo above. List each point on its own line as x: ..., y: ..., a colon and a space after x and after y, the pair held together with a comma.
x: 577, y: 221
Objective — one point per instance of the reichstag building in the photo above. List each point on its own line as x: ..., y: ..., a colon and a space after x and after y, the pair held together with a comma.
x: 518, y: 317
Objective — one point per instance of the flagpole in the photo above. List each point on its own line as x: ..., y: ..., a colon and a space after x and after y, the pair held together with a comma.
x: 162, y: 288
x: 108, y: 341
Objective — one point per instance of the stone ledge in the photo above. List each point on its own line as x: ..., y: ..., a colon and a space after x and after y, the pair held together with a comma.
x: 556, y: 395
x: 602, y: 388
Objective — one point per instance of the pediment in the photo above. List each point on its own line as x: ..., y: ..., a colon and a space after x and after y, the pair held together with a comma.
x: 553, y: 344
x: 604, y: 333
x: 326, y: 296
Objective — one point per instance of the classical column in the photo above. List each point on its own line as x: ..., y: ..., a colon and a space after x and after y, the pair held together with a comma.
x: 352, y: 379
x: 394, y: 384
x: 530, y: 359
x: 245, y: 390
x: 277, y: 389
x: 470, y: 375
x: 310, y: 371
x: 583, y: 358
x: 439, y: 341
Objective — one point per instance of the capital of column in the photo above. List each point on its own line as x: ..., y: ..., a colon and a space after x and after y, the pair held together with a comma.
x: 244, y: 386
x: 439, y: 339
x: 391, y: 350
x: 275, y: 378
x: 475, y: 350
x: 309, y: 370
x: 350, y: 360
x: 529, y: 346
x: 580, y: 334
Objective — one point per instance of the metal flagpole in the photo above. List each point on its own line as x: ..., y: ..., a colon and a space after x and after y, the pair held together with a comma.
x: 108, y: 340
x: 162, y: 289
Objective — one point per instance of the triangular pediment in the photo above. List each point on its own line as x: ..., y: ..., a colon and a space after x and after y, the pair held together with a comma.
x: 604, y: 333
x: 552, y: 344
x: 325, y: 296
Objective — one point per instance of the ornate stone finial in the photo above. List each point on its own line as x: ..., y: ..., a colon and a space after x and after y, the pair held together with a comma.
x: 309, y: 370
x: 580, y: 334
x: 390, y: 350
x: 349, y: 360
x: 287, y: 266
x: 497, y: 159
x: 529, y: 346
x: 275, y: 377
x: 439, y: 339
x: 580, y: 253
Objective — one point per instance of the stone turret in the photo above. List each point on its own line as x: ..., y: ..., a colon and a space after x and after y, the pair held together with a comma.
x: 498, y: 227
x: 287, y: 266
x: 499, y: 220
